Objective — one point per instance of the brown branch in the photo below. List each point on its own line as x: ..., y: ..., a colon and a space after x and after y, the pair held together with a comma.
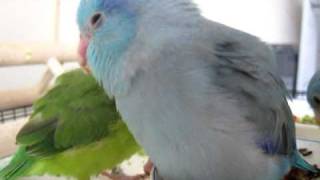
x: 21, y: 97
x: 22, y: 54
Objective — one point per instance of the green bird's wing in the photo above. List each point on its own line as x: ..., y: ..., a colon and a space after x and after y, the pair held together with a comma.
x: 63, y: 117
x: 73, y: 125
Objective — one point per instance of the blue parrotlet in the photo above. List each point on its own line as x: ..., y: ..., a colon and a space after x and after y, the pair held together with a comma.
x: 313, y: 95
x: 203, y: 99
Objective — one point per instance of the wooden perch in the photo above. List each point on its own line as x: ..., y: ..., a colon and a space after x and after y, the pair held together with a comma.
x: 17, y: 98
x: 21, y: 97
x: 55, y: 67
x: 22, y: 54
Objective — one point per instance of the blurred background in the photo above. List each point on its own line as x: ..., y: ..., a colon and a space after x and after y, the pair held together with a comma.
x: 38, y: 41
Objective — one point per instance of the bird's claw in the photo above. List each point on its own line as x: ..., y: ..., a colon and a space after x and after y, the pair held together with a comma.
x: 148, y: 167
x: 117, y: 174
x: 86, y: 69
x: 124, y: 177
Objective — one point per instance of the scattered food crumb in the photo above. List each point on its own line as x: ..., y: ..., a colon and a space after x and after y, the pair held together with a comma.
x: 298, y: 174
x: 305, y: 152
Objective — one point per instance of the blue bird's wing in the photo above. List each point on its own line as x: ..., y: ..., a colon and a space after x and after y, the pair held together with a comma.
x: 264, y: 94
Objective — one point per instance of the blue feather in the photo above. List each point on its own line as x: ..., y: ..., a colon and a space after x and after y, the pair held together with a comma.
x: 178, y: 96
x: 298, y: 162
x: 271, y: 148
x: 110, y: 5
x: 110, y: 41
x: 313, y: 92
x: 107, y: 6
x: 268, y: 146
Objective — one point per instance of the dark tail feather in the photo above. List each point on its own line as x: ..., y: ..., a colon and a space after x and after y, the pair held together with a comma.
x: 18, y: 166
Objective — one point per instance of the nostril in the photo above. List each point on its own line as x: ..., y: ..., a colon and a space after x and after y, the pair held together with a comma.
x: 316, y: 100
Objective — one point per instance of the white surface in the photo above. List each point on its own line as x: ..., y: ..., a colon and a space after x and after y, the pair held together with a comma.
x: 308, y: 132
x: 133, y: 166
x: 136, y: 163
x: 20, y: 77
x: 314, y: 147
x: 25, y: 76
x: 8, y: 132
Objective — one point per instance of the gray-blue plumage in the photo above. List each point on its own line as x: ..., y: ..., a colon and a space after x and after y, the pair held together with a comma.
x: 313, y: 94
x: 203, y: 99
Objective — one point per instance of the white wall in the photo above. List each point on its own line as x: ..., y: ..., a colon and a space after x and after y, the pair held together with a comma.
x: 33, y: 21
x: 26, y: 20
x: 68, y: 28
x: 275, y: 21
x: 310, y: 45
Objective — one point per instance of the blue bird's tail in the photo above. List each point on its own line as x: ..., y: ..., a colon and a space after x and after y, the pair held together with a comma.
x: 298, y: 162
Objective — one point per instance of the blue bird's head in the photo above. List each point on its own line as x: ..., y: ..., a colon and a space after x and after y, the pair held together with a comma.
x: 313, y: 94
x: 106, y: 29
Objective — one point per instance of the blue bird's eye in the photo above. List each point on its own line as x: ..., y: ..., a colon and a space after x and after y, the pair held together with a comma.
x: 96, y: 20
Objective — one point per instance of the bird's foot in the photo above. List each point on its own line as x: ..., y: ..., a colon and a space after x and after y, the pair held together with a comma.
x: 298, y: 174
x: 117, y: 174
x: 124, y: 177
x: 148, y: 167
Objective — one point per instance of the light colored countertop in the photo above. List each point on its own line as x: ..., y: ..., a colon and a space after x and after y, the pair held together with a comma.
x: 308, y: 137
x: 8, y: 132
x: 135, y: 164
x: 312, y: 146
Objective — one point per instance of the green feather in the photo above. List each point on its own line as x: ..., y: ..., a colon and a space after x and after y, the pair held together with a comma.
x: 75, y: 131
x: 18, y: 166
